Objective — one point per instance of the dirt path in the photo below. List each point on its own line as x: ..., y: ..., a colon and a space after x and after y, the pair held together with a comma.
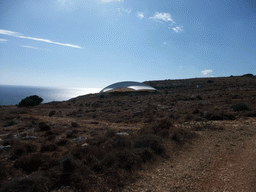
x: 218, y: 161
x: 232, y: 172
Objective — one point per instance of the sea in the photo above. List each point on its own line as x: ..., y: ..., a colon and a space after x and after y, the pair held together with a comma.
x: 12, y: 95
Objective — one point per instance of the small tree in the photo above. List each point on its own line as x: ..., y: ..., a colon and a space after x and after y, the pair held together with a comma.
x: 30, y: 101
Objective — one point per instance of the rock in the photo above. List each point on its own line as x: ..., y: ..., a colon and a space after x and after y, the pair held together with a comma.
x: 29, y: 138
x: 20, y: 135
x: 85, y: 144
x: 123, y: 133
x: 79, y: 139
x: 5, y: 148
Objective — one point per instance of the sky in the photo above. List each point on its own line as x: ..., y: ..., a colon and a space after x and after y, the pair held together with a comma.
x: 94, y: 43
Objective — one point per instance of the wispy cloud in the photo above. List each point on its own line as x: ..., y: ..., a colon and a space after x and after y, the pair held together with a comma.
x: 36, y: 48
x: 164, y: 43
x: 18, y: 35
x: 160, y: 17
x: 123, y: 10
x: 107, y: 1
x: 3, y: 40
x: 207, y: 72
x: 178, y: 29
x: 140, y: 15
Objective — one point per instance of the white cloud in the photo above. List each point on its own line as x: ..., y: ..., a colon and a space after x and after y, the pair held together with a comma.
x: 140, y: 15
x: 3, y: 40
x: 16, y: 34
x: 31, y: 47
x: 164, y: 43
x: 159, y: 17
x: 107, y: 1
x: 178, y: 29
x: 207, y: 72
x: 122, y: 10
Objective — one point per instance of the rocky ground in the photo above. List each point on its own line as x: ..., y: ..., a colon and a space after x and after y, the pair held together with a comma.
x: 191, y: 135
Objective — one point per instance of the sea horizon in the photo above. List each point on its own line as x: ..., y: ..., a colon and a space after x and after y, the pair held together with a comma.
x: 13, y: 94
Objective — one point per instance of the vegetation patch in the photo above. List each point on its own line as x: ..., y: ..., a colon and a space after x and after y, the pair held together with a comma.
x: 10, y: 123
x: 30, y: 101
x: 240, y: 107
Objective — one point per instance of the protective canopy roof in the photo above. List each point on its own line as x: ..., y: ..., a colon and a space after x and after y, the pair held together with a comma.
x: 127, y: 86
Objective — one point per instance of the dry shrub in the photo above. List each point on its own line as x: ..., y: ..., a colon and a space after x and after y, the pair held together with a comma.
x: 29, y: 163
x: 62, y: 142
x: 146, y: 154
x: 117, y: 142
x: 42, y: 126
x: 2, y: 171
x: 181, y: 136
x: 68, y: 164
x: 9, y: 123
x: 17, y: 151
x: 48, y: 147
x: 29, y: 184
x: 51, y: 113
x: 250, y: 114
x: 240, y: 107
x: 217, y: 115
x: 203, y: 126
x: 88, y: 153
x: 21, y: 148
x: 150, y: 141
x: 157, y: 127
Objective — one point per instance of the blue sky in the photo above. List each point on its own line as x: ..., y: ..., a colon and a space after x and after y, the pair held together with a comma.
x: 94, y: 43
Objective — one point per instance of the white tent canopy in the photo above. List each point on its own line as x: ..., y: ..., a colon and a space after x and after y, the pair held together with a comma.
x: 127, y: 86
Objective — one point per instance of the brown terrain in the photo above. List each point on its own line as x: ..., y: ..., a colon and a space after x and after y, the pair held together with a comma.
x: 192, y: 135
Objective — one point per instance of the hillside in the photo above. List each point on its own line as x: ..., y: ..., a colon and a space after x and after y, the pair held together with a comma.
x: 191, y: 135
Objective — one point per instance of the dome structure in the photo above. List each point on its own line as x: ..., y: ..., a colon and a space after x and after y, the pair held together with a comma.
x: 127, y: 86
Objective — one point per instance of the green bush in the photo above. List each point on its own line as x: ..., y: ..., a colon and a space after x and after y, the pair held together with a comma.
x: 30, y: 101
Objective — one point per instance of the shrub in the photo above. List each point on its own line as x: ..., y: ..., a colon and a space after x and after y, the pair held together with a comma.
x: 145, y: 154
x: 43, y: 126
x: 126, y: 159
x: 247, y: 75
x: 48, y: 147
x: 10, y: 123
x: 51, y: 113
x: 180, y: 136
x: 30, y: 101
x: 74, y: 124
x: 199, y: 97
x: 210, y: 81
x: 17, y: 151
x: 2, y: 171
x: 150, y: 141
x: 28, y: 184
x: 240, y: 107
x: 62, y: 142
x: 156, y: 127
x: 67, y: 164
x: 29, y: 163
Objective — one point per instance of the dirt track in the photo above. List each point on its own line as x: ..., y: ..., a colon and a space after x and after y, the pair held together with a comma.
x: 217, y: 161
